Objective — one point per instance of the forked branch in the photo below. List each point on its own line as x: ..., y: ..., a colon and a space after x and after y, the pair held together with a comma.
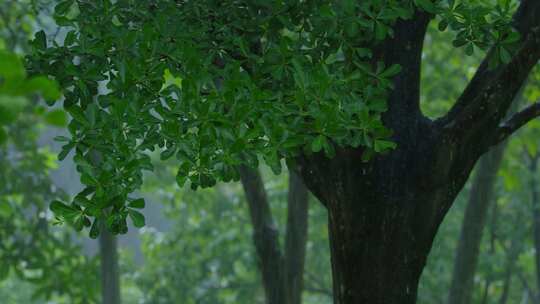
x: 485, y: 101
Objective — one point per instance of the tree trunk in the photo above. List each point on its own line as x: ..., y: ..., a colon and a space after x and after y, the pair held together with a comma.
x: 265, y: 236
x: 492, y: 239
x: 296, y: 238
x: 535, y: 201
x: 480, y: 199
x: 110, y: 274
x: 282, y: 274
x: 512, y: 255
x: 376, y: 263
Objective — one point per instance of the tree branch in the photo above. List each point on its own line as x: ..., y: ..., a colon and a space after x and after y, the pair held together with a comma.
x: 517, y: 121
x: 485, y: 101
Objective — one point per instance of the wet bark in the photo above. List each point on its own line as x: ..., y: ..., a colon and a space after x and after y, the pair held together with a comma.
x: 480, y: 200
x: 110, y: 273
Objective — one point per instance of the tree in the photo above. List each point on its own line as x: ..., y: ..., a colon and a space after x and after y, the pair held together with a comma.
x: 211, y: 230
x: 332, y: 88
x: 110, y: 272
x: 282, y: 270
x: 30, y: 250
x: 472, y: 228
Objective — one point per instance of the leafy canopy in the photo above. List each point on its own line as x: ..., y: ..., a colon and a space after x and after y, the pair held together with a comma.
x: 216, y: 84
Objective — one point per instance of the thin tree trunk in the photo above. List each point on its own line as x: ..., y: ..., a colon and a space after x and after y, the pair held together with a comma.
x: 282, y: 274
x: 296, y: 238
x: 535, y: 201
x: 472, y: 228
x: 265, y: 236
x: 492, y: 236
x: 110, y: 274
x: 512, y: 254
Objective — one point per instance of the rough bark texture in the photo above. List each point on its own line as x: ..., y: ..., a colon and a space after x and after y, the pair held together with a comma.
x: 282, y: 274
x: 384, y: 214
x: 480, y: 199
x: 110, y: 275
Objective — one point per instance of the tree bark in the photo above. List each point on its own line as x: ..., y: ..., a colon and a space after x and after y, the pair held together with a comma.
x: 110, y: 274
x: 282, y: 274
x: 480, y: 199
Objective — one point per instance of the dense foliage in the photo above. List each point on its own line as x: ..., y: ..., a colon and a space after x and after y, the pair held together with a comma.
x: 217, y: 84
x: 210, y: 85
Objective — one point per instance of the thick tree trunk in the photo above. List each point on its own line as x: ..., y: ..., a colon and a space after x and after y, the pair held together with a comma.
x: 480, y: 199
x: 384, y: 214
x: 282, y: 274
x: 377, y: 263
x: 110, y: 274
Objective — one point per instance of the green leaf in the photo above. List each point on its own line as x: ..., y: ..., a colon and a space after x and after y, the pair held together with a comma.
x: 170, y: 80
x: 138, y: 203
x: 57, y: 118
x: 10, y: 108
x: 393, y: 70
x: 505, y: 55
x: 61, y: 139
x: 168, y: 153
x: 469, y: 49
x: 318, y: 143
x: 78, y: 115
x: 11, y: 66
x: 443, y: 25
x: 40, y: 41
x: 65, y: 151
x: 459, y: 42
x: 94, y: 230
x: 426, y: 5
x: 512, y: 37
x: 137, y: 218
x: 63, y: 210
x: 62, y: 7
x: 381, y: 145
x: 47, y: 88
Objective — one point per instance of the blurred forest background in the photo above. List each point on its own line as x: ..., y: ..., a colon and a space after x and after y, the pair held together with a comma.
x: 197, y: 247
